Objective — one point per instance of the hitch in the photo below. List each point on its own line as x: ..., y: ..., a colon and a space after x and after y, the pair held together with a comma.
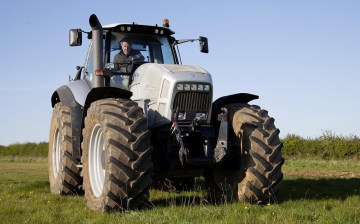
x: 222, y: 141
x: 184, y: 151
x: 183, y: 136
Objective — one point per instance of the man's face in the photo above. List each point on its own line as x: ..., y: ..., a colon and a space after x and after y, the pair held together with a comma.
x: 125, y: 47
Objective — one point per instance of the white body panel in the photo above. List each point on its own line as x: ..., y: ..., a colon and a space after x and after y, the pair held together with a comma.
x: 153, y: 88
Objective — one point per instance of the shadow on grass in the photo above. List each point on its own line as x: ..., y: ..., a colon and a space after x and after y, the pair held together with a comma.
x: 293, y: 188
x: 316, y: 189
x: 179, y: 200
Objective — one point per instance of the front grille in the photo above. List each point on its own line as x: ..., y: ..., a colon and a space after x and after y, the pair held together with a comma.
x: 200, y: 101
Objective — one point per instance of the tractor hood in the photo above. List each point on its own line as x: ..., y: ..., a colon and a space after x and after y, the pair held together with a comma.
x: 155, y: 86
x: 148, y: 79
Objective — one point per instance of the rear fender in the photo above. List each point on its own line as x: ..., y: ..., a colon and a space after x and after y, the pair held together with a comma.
x: 71, y: 94
x: 71, y: 98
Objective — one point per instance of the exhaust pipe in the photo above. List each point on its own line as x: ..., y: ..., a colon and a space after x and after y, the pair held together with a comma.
x: 97, y: 38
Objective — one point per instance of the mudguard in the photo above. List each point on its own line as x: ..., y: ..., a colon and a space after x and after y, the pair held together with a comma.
x: 71, y: 94
x: 78, y: 97
x: 220, y: 120
x: 240, y: 98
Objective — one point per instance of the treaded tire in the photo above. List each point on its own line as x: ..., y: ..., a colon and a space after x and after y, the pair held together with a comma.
x: 257, y: 180
x: 116, y: 157
x: 64, y: 174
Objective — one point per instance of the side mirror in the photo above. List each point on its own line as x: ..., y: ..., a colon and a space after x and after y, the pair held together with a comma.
x: 203, y: 41
x: 75, y: 37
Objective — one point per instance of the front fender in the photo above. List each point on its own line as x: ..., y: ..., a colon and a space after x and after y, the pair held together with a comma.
x: 239, y: 98
x: 105, y: 92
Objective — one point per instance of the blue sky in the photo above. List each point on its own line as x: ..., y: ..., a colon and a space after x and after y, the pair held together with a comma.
x: 301, y: 57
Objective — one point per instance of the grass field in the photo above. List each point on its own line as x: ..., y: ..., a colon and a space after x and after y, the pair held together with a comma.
x: 313, y: 191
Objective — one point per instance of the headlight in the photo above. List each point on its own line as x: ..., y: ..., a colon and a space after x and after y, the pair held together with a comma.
x: 181, y: 116
x: 201, y: 116
x: 180, y: 86
x: 207, y: 88
x: 193, y: 87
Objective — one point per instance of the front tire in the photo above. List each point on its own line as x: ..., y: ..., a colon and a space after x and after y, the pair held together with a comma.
x: 259, y: 159
x: 64, y: 174
x: 116, y: 157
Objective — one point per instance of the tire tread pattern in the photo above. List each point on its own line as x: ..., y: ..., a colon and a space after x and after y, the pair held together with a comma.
x: 69, y: 180
x: 127, y: 141
x: 263, y: 165
x: 257, y: 180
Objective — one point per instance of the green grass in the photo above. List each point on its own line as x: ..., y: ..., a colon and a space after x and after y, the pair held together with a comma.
x: 25, y: 198
x: 308, y: 194
x: 348, y: 165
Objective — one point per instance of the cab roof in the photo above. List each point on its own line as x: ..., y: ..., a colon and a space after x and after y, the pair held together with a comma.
x: 139, y: 28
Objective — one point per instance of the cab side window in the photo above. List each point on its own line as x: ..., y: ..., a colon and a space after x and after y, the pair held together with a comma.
x: 89, y: 65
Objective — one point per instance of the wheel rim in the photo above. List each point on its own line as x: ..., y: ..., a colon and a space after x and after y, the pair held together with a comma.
x: 97, y: 161
x: 56, y: 148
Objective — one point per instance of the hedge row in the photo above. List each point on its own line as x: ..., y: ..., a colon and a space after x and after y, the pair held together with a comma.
x: 26, y: 149
x: 327, y: 146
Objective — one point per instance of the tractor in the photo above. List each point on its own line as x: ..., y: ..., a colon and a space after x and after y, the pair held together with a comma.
x: 119, y: 129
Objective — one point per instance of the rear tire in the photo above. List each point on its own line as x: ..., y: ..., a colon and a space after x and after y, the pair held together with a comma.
x: 259, y: 157
x: 64, y: 174
x: 116, y: 157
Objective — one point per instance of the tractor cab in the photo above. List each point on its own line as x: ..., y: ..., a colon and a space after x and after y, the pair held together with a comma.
x: 155, y: 43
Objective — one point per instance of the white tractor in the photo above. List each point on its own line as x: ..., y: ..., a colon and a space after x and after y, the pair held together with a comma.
x: 119, y: 129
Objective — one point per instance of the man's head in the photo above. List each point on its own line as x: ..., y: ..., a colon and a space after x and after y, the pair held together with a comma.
x: 125, y: 46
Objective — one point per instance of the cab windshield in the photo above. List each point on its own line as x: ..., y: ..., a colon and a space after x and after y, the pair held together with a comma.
x: 154, y: 49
